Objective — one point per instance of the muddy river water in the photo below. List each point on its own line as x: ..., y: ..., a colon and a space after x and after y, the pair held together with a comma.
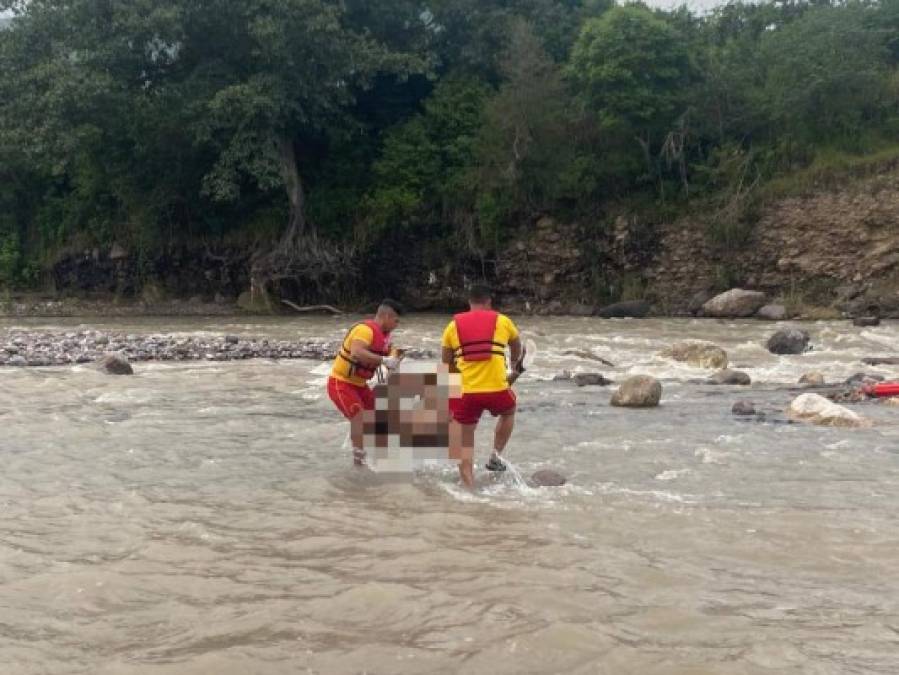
x: 204, y: 518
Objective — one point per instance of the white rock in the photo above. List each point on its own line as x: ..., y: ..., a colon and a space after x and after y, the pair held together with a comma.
x: 735, y: 303
x: 818, y: 410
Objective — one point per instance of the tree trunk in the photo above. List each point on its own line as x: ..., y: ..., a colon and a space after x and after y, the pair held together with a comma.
x: 296, y: 226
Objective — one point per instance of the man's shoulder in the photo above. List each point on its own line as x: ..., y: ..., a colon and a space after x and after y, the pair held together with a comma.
x: 450, y: 331
x: 362, y: 331
x: 508, y: 323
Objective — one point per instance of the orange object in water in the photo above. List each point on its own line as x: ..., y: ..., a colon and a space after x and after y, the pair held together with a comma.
x: 883, y: 389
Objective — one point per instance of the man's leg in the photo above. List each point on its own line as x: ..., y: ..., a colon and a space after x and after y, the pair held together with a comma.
x: 357, y: 438
x: 352, y: 402
x: 505, y: 411
x: 461, y: 438
x: 504, y: 426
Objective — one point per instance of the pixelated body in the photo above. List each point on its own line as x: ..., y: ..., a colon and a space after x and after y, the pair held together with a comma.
x: 409, y: 427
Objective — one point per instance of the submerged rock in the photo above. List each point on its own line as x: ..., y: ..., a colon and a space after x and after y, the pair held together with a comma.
x: 866, y: 321
x: 698, y: 354
x: 735, y: 303
x: 881, y: 361
x: 818, y: 410
x: 547, y: 478
x: 727, y: 376
x: 861, y: 379
x: 790, y: 341
x: 744, y: 409
x: 585, y: 379
x: 640, y: 391
x: 115, y: 364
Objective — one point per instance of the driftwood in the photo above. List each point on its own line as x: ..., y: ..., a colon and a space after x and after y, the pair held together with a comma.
x: 584, y: 354
x: 312, y: 308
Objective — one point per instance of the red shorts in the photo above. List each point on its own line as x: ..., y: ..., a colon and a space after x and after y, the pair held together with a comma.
x: 350, y: 399
x: 469, y: 408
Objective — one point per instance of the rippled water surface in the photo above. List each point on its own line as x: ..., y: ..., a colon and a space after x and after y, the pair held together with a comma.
x: 203, y: 518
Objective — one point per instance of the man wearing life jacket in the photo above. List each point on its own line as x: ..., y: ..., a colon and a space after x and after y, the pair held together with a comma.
x: 474, y: 344
x: 365, y: 348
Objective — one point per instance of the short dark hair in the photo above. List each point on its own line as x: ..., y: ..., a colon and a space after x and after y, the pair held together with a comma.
x: 479, y: 293
x: 392, y: 304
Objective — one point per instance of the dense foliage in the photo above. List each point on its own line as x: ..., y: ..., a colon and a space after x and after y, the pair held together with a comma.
x: 454, y: 122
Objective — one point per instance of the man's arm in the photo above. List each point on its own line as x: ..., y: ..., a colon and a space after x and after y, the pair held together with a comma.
x: 516, y: 349
x: 448, y: 358
x: 360, y: 352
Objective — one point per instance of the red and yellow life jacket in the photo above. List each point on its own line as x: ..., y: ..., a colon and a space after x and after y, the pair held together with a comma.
x: 380, y: 345
x: 476, y: 330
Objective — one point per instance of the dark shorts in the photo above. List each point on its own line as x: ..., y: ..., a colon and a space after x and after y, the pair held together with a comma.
x: 350, y: 399
x: 469, y: 408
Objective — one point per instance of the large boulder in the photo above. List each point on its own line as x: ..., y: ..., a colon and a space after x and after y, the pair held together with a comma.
x: 697, y: 354
x: 640, y: 391
x: 734, y: 304
x: 772, y: 313
x: 818, y: 410
x: 636, y: 309
x: 790, y: 341
x: 115, y: 363
x: 727, y: 376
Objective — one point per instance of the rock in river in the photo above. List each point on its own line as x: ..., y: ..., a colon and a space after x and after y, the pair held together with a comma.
x: 636, y: 309
x: 727, y: 376
x: 791, y: 341
x: 698, y: 354
x: 115, y: 364
x: 744, y: 409
x: 818, y: 410
x: 640, y: 391
x: 813, y: 378
x: 585, y: 379
x: 547, y: 478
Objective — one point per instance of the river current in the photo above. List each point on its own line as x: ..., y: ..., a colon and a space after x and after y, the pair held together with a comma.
x: 204, y: 518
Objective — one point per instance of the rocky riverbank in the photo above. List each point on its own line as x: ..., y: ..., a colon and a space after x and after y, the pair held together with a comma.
x: 44, y: 348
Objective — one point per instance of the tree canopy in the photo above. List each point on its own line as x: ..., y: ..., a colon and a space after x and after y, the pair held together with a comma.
x: 459, y: 121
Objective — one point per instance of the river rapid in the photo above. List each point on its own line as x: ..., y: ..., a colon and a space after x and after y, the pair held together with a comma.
x: 204, y: 518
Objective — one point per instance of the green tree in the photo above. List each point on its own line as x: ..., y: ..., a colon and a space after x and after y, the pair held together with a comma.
x: 424, y: 170
x: 824, y: 75
x: 527, y: 146
x: 633, y: 69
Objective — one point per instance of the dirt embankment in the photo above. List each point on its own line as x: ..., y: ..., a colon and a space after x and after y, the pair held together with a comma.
x: 835, y: 248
